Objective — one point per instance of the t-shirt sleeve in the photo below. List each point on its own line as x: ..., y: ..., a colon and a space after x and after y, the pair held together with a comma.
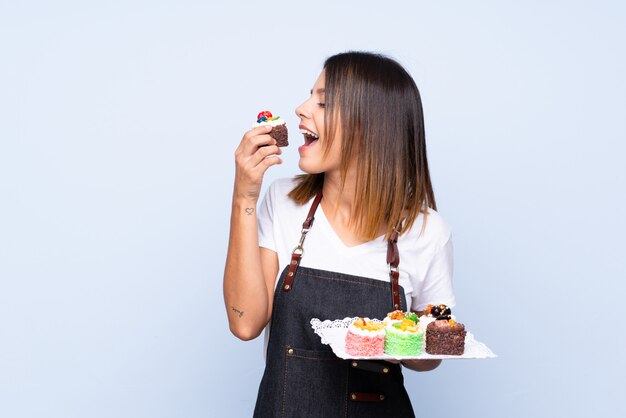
x: 437, y: 285
x: 265, y: 220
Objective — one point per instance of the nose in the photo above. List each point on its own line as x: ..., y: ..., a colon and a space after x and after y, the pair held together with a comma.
x: 301, y: 111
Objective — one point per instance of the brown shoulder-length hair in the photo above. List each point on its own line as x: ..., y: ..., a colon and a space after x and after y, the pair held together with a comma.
x: 382, y: 130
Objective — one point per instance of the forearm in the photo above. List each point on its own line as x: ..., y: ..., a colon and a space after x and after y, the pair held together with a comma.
x: 245, y: 291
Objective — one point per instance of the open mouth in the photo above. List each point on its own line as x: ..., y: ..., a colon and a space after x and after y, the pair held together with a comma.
x: 309, y: 137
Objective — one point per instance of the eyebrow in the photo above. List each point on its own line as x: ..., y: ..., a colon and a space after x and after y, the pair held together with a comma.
x: 319, y: 91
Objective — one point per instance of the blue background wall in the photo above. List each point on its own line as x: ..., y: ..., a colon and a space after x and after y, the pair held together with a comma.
x: 118, y: 124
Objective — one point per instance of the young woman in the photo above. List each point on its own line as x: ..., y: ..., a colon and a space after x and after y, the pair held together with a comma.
x: 357, y: 235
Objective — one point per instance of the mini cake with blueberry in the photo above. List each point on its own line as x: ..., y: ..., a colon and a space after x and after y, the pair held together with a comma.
x: 444, y: 336
x: 403, y: 337
x: 279, y: 127
x: 365, y: 338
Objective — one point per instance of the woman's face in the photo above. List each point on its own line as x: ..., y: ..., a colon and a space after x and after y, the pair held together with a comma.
x: 312, y: 124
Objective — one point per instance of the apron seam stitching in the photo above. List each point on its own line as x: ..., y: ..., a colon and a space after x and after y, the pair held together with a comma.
x: 382, y: 285
x: 314, y: 358
x: 348, y: 371
x: 284, y: 387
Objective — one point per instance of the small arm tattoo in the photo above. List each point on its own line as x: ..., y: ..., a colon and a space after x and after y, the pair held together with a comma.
x: 240, y: 313
x: 249, y: 211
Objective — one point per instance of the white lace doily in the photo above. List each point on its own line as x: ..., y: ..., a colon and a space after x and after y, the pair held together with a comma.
x: 333, y: 333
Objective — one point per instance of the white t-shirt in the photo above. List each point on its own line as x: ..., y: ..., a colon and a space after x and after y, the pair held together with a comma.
x: 425, y: 261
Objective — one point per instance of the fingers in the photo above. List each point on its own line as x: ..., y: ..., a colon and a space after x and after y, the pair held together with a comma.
x: 255, y: 138
x: 250, y: 146
x: 256, y: 145
x: 270, y: 161
x: 263, y: 159
x: 256, y: 153
x: 259, y: 130
x: 264, y: 152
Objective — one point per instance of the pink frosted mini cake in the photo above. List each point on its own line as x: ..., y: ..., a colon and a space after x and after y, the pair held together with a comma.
x: 365, y: 338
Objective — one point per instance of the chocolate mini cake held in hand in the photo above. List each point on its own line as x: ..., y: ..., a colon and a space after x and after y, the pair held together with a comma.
x: 279, y: 128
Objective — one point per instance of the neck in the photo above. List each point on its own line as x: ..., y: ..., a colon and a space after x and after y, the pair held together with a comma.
x: 338, y: 203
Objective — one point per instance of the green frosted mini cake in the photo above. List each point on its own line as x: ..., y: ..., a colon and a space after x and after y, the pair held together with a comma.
x: 403, y: 337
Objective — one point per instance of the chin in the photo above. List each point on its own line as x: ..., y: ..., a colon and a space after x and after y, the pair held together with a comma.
x: 307, y: 168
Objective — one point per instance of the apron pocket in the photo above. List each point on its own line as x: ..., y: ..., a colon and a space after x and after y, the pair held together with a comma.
x: 375, y: 395
x: 314, y: 384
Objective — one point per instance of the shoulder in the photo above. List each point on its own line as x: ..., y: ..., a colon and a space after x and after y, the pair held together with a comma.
x: 430, y: 229
x: 282, y: 186
x: 436, y: 225
x: 278, y: 193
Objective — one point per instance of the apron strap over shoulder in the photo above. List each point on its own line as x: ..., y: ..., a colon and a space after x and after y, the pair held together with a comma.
x: 308, y: 223
x: 296, y: 254
x: 393, y: 260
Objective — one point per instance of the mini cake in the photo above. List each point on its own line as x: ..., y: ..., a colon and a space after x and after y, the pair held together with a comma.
x: 279, y: 127
x: 444, y: 335
x: 439, y: 311
x: 403, y: 336
x: 365, y: 338
x: 432, y: 313
x: 395, y: 316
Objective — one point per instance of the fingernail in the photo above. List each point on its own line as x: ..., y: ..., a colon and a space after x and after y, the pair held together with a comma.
x: 267, y: 127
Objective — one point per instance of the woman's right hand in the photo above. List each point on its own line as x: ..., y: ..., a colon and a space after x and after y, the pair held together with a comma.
x: 251, y: 161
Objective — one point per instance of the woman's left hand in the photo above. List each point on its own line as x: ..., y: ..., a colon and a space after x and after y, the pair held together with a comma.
x: 418, y: 365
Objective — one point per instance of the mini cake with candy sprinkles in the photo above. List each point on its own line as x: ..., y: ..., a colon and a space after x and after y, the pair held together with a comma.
x: 403, y: 336
x: 365, y: 338
x: 279, y: 127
